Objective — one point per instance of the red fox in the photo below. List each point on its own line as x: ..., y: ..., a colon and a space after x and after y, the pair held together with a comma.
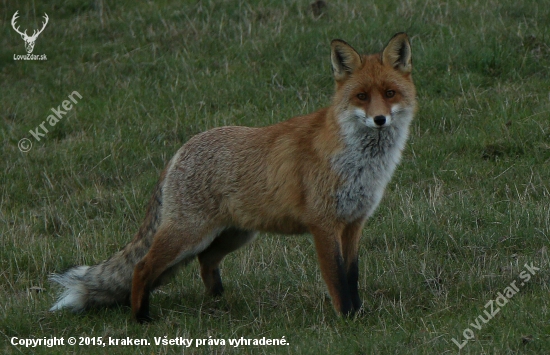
x: 322, y: 173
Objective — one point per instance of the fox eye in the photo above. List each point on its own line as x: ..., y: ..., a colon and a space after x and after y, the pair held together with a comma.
x: 390, y: 94
x: 362, y: 96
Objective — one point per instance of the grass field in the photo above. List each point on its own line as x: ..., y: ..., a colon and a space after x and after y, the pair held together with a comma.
x: 466, y: 210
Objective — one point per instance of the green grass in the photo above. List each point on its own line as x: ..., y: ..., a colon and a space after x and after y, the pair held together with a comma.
x: 466, y: 209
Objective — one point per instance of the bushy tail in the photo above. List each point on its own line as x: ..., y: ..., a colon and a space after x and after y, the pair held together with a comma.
x: 110, y: 282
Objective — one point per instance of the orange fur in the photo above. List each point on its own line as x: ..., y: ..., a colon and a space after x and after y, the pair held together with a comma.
x: 322, y: 173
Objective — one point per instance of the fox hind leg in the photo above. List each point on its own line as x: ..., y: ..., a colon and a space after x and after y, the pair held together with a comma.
x: 171, y: 245
x: 229, y: 240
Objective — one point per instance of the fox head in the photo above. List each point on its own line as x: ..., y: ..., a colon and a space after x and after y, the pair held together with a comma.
x: 373, y: 91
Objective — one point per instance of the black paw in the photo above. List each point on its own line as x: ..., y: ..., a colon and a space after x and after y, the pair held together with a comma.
x: 143, y: 318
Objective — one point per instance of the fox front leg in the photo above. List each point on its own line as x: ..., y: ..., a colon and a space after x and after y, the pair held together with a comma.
x: 329, y: 252
x: 350, y: 248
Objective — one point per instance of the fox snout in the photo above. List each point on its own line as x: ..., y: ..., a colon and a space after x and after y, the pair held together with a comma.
x: 373, y: 121
x: 380, y: 120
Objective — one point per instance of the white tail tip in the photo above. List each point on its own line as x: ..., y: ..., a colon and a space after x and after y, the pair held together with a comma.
x: 74, y: 295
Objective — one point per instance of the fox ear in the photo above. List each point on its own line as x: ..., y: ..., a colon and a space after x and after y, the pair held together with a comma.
x: 397, y: 53
x: 345, y: 60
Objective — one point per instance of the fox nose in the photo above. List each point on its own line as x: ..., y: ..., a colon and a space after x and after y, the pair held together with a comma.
x: 380, y: 120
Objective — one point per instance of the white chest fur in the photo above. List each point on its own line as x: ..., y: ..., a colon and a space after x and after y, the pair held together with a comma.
x: 366, y: 165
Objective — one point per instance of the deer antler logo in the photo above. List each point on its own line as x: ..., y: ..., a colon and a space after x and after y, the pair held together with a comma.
x: 29, y: 40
